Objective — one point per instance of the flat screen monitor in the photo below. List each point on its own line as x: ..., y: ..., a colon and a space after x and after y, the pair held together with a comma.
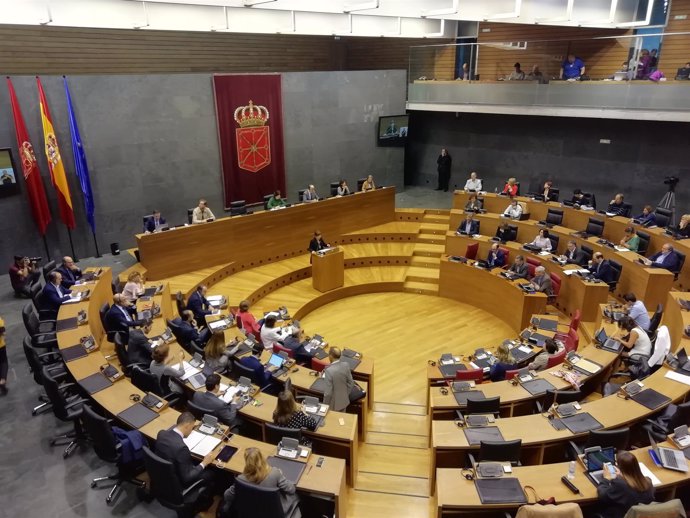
x: 8, y: 173
x: 393, y: 130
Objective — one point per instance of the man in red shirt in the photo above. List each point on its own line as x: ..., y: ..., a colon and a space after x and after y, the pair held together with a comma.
x: 23, y: 273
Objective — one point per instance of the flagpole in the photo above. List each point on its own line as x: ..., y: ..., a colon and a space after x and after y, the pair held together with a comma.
x: 45, y: 243
x: 74, y: 255
x: 95, y: 242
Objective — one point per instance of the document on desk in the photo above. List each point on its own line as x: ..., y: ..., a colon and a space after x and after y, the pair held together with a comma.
x: 200, y: 443
x: 230, y: 393
x: 622, y: 248
x: 570, y: 272
x: 648, y: 473
x: 525, y: 349
x: 189, y: 371
x: 678, y: 377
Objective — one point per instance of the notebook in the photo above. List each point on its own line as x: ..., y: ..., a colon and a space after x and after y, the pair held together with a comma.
x: 651, y: 399
x: 73, y: 353
x: 463, y: 397
x: 500, y: 490
x: 537, y: 386
x: 352, y: 362
x: 580, y: 423
x: 448, y: 371
x: 292, y: 469
x: 137, y: 415
x: 66, y: 324
x: 95, y: 383
x: 488, y: 433
x: 318, y: 386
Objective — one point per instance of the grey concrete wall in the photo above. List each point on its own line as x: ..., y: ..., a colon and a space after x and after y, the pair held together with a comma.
x: 567, y: 150
x: 151, y: 142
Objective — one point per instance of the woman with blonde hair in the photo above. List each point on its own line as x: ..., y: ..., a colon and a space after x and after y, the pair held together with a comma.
x: 505, y: 363
x: 162, y: 366
x: 511, y: 187
x: 216, y: 354
x: 684, y: 226
x: 257, y: 472
x: 368, y: 184
x: 134, y: 287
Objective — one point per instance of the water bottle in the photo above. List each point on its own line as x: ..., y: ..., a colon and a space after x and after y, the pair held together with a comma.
x: 495, y: 190
x: 571, y: 470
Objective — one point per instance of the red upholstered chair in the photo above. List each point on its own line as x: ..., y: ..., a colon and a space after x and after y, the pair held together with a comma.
x: 532, y: 263
x: 556, y: 359
x: 571, y: 341
x: 555, y: 286
x: 472, y: 250
x: 476, y: 375
x: 575, y: 321
x: 511, y: 374
x: 318, y: 365
x: 277, y: 348
x: 506, y: 254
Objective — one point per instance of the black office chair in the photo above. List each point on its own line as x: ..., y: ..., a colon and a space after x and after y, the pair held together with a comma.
x: 360, y: 182
x: 617, y: 438
x: 554, y: 242
x: 47, y: 268
x: 174, y: 326
x: 663, y: 217
x: 256, y: 501
x: 102, y: 311
x: 681, y: 262
x: 148, y: 382
x: 627, y: 210
x: 35, y: 291
x: 120, y: 342
x: 190, y: 216
x: 145, y: 220
x: 559, y: 397
x: 499, y: 451
x: 109, y: 449
x: 67, y: 407
x: 198, y: 411
x: 180, y: 303
x: 37, y: 361
x: 238, y: 207
x: 644, y: 242
x: 589, y: 253
x: 517, y: 184
x: 240, y: 370
x: 660, y: 427
x: 267, y: 197
x: 275, y: 433
x: 300, y: 195
x: 490, y: 405
x: 40, y: 332
x: 554, y: 217
x: 554, y: 195
x: 167, y: 489
x: 334, y: 188
x: 656, y: 319
x: 595, y: 227
x: 617, y: 270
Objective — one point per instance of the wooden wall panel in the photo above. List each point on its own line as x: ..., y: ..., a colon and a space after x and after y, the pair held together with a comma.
x: 387, y: 53
x: 548, y: 47
x: 675, y: 50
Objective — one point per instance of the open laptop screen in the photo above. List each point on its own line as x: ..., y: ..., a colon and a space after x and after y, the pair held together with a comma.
x: 597, y: 459
x: 276, y: 360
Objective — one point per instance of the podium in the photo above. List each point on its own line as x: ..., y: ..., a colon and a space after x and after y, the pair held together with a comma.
x: 328, y: 270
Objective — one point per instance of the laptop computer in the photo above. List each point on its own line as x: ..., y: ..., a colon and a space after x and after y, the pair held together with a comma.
x: 275, y: 362
x: 607, y: 343
x: 594, y: 463
x: 667, y: 457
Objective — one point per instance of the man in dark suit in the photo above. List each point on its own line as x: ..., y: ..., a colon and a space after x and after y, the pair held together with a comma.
x: 600, y: 268
x: 519, y: 268
x: 53, y: 295
x: 121, y: 316
x: 70, y: 272
x: 339, y: 382
x: 171, y: 447
x: 667, y: 259
x: 573, y: 255
x: 505, y: 233
x: 210, y: 400
x: 139, y: 346
x: 190, y: 332
x: 541, y: 281
x: 261, y: 376
x: 199, y: 305
x: 496, y: 257
x: 155, y: 221
x: 469, y: 226
x: 317, y: 243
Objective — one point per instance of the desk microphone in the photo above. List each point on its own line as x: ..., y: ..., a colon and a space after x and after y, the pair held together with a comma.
x: 570, y: 485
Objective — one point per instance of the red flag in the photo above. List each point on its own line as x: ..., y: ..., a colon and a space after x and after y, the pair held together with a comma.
x: 32, y: 174
x: 55, y: 166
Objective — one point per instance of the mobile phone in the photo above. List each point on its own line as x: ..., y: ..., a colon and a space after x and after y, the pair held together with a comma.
x: 226, y: 453
x: 611, y: 468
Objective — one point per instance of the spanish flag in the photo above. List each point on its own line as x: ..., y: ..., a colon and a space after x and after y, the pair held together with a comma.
x: 57, y: 170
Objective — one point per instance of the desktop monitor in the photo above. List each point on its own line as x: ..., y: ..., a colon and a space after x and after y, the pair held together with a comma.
x: 393, y: 130
x: 8, y: 173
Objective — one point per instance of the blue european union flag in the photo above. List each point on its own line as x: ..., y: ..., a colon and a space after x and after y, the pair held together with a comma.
x: 80, y: 165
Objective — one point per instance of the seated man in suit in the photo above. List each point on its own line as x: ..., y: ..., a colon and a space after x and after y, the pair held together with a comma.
x: 667, y: 259
x: 53, y: 294
x: 339, y: 382
x: 616, y: 206
x: 505, y: 233
x: 469, y: 226
x: 225, y: 412
x: 600, y: 268
x: 573, y: 255
x: 496, y: 257
x: 317, y: 243
x: 519, y: 268
x: 202, y: 213
x: 582, y: 199
x: 170, y: 446
x: 541, y: 281
x: 155, y: 222
x: 121, y: 316
x: 70, y: 272
x: 262, y: 377
x: 647, y: 218
x: 199, y: 305
x: 310, y: 195
x: 139, y: 346
x: 190, y: 332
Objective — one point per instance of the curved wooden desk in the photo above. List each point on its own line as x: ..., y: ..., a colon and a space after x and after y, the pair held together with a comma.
x: 488, y: 291
x: 329, y: 480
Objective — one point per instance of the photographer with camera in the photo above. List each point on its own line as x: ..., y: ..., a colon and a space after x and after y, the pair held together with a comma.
x: 23, y: 273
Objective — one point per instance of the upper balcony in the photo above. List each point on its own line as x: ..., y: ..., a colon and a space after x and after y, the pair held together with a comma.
x: 607, y: 90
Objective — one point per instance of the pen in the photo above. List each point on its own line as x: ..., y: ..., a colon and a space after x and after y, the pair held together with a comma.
x: 310, y: 466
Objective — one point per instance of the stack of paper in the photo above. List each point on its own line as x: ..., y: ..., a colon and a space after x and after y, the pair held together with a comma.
x: 189, y: 371
x: 200, y: 443
x: 678, y: 377
x: 648, y: 473
x: 230, y: 393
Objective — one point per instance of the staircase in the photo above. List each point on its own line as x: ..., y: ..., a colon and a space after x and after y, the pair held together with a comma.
x: 423, y: 273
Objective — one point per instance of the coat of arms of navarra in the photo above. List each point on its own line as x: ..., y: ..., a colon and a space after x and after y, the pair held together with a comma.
x: 253, y: 139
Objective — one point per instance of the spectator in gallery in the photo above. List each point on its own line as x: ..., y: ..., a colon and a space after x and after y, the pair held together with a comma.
x: 517, y: 74
x: 684, y: 72
x: 653, y: 59
x: 535, y: 75
x: 573, y: 68
x: 465, y: 73
x: 643, y: 65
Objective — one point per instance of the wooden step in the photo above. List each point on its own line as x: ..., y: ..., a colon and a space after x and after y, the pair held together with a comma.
x: 432, y: 239
x: 437, y: 212
x: 398, y: 440
x: 424, y: 288
x: 436, y: 218
x: 423, y: 274
x: 433, y: 228
x: 392, y: 484
x: 390, y: 460
x: 429, y: 249
x: 422, y: 261
x: 365, y: 504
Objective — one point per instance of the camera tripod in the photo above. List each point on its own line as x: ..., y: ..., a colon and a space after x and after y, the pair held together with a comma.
x: 668, y: 202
